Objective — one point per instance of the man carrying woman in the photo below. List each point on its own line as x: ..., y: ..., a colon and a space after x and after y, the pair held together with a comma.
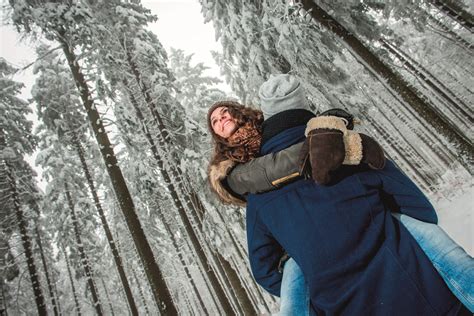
x: 352, y: 256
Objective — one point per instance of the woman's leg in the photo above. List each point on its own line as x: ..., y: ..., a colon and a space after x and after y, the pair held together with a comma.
x: 454, y: 265
x: 294, y: 295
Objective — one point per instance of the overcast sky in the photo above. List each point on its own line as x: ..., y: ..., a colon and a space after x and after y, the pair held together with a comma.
x: 180, y: 25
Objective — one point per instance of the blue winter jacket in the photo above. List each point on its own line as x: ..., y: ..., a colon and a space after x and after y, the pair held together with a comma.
x: 357, y: 259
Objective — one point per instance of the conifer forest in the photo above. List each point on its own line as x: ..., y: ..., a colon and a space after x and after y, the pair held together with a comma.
x: 114, y: 214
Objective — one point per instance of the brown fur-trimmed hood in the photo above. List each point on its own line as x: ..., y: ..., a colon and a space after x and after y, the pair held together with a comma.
x: 219, y: 172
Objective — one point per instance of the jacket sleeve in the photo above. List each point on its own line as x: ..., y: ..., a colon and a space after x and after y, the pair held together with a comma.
x: 402, y: 195
x: 265, y: 255
x: 265, y: 173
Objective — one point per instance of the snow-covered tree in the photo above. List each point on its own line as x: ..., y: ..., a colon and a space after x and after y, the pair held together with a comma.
x: 70, y: 25
x: 341, y: 60
x: 18, y: 185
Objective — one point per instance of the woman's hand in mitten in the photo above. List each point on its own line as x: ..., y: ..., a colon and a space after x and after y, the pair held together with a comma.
x: 326, y: 153
x: 324, y: 147
x: 372, y: 152
x: 329, y: 145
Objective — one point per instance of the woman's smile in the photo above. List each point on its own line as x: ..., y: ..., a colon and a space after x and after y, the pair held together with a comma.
x: 223, y: 124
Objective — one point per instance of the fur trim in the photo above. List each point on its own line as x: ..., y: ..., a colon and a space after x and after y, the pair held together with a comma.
x: 353, y: 145
x: 219, y: 172
x: 331, y: 122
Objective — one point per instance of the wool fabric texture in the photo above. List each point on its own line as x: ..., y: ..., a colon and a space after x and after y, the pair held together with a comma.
x: 281, y: 92
x: 245, y: 143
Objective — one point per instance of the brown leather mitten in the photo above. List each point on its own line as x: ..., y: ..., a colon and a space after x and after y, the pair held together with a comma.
x: 326, y: 152
x: 372, y: 152
x: 327, y: 140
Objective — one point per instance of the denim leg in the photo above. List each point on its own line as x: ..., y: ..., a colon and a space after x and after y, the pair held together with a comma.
x: 294, y: 295
x: 454, y: 265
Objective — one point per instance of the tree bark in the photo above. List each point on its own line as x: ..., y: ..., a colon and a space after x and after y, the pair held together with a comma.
x: 71, y: 280
x: 241, y: 296
x: 3, y: 300
x: 182, y: 213
x: 110, y: 239
x: 243, y: 292
x: 25, y: 239
x: 111, y: 307
x: 82, y: 253
x: 140, y: 291
x: 165, y: 142
x: 448, y: 33
x: 433, y: 83
x: 183, y: 262
x: 456, y: 12
x: 46, y: 273
x: 388, y: 77
x: 160, y: 290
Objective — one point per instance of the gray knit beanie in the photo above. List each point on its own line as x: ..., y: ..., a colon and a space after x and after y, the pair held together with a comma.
x: 281, y: 92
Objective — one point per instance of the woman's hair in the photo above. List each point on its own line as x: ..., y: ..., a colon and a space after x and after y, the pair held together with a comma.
x: 243, y: 115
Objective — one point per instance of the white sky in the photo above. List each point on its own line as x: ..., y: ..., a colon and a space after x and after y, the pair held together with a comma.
x: 181, y: 25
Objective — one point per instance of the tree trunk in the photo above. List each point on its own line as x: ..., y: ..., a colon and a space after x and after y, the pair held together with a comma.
x: 183, y: 261
x: 197, y: 210
x: 388, y: 77
x: 3, y: 300
x: 242, y: 297
x: 71, y: 280
x: 457, y: 105
x: 25, y: 239
x: 182, y: 213
x: 82, y: 253
x: 58, y: 302
x: 140, y: 291
x: 238, y: 292
x: 160, y: 290
x: 191, y: 196
x: 108, y: 298
x: 448, y: 33
x: 110, y: 239
x: 456, y: 12
x: 412, y: 157
x: 46, y: 272
x: 243, y: 292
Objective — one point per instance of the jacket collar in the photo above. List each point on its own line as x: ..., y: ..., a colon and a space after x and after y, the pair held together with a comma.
x: 283, y: 121
x: 284, y: 139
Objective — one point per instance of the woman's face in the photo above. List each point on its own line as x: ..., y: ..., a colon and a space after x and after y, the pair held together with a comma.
x: 222, y: 123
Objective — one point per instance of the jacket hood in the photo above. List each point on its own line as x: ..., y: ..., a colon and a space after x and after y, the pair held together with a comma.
x: 217, y: 175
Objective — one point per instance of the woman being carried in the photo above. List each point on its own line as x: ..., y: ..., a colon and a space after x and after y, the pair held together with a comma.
x: 360, y: 239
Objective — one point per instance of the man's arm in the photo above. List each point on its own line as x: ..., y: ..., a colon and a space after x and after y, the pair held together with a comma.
x: 265, y: 255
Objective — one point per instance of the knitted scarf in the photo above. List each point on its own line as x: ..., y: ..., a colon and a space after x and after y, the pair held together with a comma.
x: 244, y: 143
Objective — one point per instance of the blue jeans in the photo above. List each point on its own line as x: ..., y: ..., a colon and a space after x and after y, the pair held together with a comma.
x: 454, y: 265
x: 294, y: 294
